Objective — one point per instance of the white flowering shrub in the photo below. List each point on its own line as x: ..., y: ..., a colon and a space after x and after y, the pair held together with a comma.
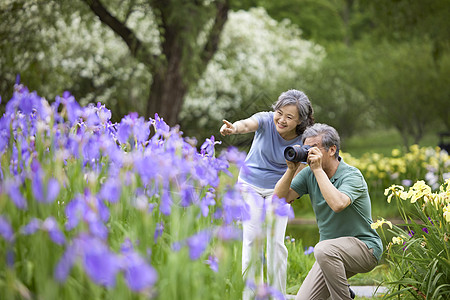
x: 256, y: 54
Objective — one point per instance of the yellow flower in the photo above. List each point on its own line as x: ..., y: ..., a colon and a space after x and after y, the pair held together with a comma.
x: 447, y: 213
x: 419, y: 190
x: 379, y: 223
x: 395, y: 190
x: 397, y: 240
x: 396, y: 152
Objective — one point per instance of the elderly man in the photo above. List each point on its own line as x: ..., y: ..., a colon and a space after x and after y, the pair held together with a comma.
x: 341, y: 203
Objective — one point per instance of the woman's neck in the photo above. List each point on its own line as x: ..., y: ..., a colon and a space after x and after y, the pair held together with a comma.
x: 289, y: 135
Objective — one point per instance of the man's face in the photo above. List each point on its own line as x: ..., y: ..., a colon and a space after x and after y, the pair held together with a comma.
x: 316, y: 141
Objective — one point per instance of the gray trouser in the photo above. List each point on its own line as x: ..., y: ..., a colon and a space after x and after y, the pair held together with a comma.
x: 336, y: 261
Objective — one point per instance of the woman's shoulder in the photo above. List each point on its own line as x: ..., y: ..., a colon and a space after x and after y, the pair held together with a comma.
x: 263, y: 115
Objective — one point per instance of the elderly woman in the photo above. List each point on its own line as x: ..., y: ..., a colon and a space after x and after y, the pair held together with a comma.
x: 264, y: 166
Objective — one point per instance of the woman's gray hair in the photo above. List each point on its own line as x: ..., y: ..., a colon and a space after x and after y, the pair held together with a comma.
x: 329, y: 136
x: 304, y: 107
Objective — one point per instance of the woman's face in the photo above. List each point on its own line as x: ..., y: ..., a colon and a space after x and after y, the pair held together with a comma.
x: 286, y: 119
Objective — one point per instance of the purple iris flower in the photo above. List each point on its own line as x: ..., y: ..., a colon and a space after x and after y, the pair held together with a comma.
x: 208, y: 146
x: 100, y: 263
x: 158, y: 231
x: 16, y: 196
x: 89, y: 209
x: 6, y: 230
x: 282, y: 208
x: 161, y: 127
x: 266, y: 292
x: 91, y: 116
x: 233, y: 155
x: 139, y: 275
x: 198, y: 243
x: 188, y: 195
x: 66, y: 263
x: 33, y: 226
x: 52, y: 190
x: 425, y: 230
x: 131, y: 126
x: 103, y: 113
x: 110, y: 190
x: 73, y: 109
x: 176, y: 246
x: 234, y: 208
x: 309, y: 250
x: 229, y: 232
x: 56, y: 235
x: 213, y: 263
x: 75, y: 210
x: 207, y: 201
x: 123, y: 132
x: 91, y: 149
x: 44, y: 193
x: 166, y: 202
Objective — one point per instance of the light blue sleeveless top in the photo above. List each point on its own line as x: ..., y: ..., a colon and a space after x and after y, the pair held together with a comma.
x: 265, y: 163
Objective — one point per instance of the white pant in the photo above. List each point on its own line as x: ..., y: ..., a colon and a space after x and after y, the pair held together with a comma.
x: 263, y: 226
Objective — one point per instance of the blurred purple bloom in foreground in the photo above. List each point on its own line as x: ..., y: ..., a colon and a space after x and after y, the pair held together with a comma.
x: 6, y: 230
x: 16, y: 196
x: 56, y: 235
x: 265, y: 292
x: 282, y: 208
x: 198, y: 243
x: 138, y: 274
x: 234, y: 208
x: 229, y: 232
x: 207, y: 201
x: 111, y: 190
x: 213, y: 263
x: 44, y: 193
x: 33, y: 226
x: 100, y: 264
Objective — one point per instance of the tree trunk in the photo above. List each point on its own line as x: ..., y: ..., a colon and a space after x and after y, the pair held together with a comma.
x: 167, y: 93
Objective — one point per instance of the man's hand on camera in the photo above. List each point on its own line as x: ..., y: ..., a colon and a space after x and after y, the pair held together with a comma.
x: 315, y: 158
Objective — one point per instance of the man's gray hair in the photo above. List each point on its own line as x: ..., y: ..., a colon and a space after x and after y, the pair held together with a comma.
x: 304, y: 107
x: 329, y: 136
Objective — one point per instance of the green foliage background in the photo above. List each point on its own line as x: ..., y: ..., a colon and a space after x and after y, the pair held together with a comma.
x: 386, y: 64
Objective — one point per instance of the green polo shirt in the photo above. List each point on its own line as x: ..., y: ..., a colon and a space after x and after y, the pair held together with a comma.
x: 355, y: 219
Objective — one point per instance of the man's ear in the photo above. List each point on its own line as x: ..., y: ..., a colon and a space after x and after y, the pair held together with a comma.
x: 332, y: 150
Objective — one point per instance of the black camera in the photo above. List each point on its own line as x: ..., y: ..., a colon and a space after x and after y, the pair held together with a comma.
x: 296, y: 153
